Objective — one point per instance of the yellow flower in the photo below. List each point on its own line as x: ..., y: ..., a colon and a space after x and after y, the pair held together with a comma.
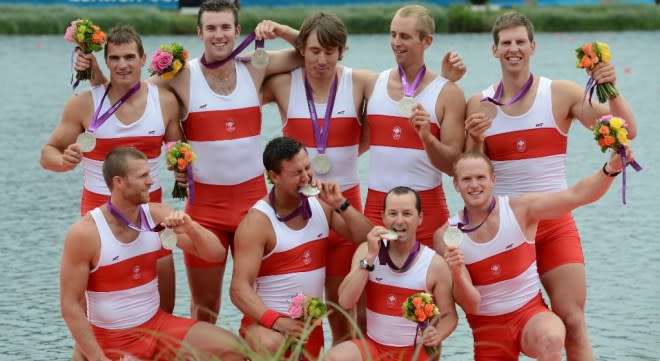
x: 604, y: 52
x: 616, y: 123
x: 80, y: 37
x: 622, y: 137
x: 167, y: 75
x: 176, y: 66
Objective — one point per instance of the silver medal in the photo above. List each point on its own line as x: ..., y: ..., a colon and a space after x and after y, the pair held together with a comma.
x: 168, y: 238
x: 390, y: 235
x: 405, y: 106
x: 309, y: 191
x: 86, y: 141
x: 453, y: 236
x: 260, y: 58
x: 321, y: 164
x: 488, y: 109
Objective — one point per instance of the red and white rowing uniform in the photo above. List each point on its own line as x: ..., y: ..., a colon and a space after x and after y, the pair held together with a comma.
x: 146, y: 134
x: 397, y: 156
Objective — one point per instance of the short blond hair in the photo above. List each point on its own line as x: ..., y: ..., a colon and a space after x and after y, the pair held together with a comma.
x: 425, y: 24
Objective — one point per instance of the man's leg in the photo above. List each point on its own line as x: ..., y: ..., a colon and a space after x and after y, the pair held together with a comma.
x: 205, y: 289
x: 345, y: 351
x: 166, y: 282
x: 339, y: 324
x: 207, y: 339
x: 543, y: 337
x: 263, y: 341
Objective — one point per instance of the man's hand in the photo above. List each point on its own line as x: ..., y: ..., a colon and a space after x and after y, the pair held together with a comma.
x: 84, y: 61
x: 420, y: 120
x: 374, y: 241
x: 431, y: 337
x: 603, y: 73
x: 71, y: 156
x: 453, y: 67
x: 178, y: 221
x: 289, y: 326
x: 476, y: 125
x: 268, y: 30
x: 455, y: 259
x: 330, y: 193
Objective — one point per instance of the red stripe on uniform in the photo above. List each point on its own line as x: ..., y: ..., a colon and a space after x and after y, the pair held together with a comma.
x: 223, y: 124
x: 526, y: 144
x: 390, y: 131
x: 125, y: 274
x: 503, y: 266
x: 304, y: 258
x: 149, y: 145
x: 386, y: 299
x: 344, y: 132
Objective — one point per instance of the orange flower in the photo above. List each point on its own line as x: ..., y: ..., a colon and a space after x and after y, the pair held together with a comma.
x: 188, y: 156
x: 417, y: 301
x: 421, y: 316
x: 609, y: 140
x: 98, y: 37
x: 185, y: 55
x: 428, y: 309
x: 181, y: 163
x: 601, y: 142
x: 590, y: 57
x: 604, y: 130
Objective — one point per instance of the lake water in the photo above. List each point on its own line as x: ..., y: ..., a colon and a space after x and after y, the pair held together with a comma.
x: 620, y: 244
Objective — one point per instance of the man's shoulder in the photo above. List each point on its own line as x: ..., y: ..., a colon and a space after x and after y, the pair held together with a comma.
x: 84, y: 227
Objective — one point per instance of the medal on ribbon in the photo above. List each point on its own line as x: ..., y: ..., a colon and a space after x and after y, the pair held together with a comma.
x: 244, y: 44
x: 167, y: 237
x: 321, y: 163
x: 260, y: 56
x: 487, y: 105
x: 453, y: 236
x: 87, y: 140
x: 407, y: 102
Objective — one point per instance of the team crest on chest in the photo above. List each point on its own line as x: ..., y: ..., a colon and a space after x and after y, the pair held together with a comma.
x: 391, y: 301
x: 230, y: 125
x: 496, y: 269
x: 396, y: 133
x: 521, y: 145
x: 307, y: 257
x: 137, y: 272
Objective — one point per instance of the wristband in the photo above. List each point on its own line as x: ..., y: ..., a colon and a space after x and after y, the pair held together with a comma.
x: 343, y: 206
x: 608, y: 173
x: 268, y: 318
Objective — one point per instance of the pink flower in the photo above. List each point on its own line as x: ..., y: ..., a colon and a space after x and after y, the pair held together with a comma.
x: 169, y: 145
x: 160, y: 61
x: 296, y: 306
x: 68, y: 35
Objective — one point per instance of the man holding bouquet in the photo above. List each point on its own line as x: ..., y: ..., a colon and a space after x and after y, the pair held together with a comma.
x: 494, y: 266
x: 389, y: 273
x: 522, y: 124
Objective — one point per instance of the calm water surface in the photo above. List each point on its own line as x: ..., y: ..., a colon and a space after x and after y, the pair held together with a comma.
x: 620, y: 242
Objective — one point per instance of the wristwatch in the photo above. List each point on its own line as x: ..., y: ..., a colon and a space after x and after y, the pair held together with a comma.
x: 364, y: 264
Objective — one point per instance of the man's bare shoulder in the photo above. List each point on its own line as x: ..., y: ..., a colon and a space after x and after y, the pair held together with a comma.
x: 255, y: 225
x: 81, y: 231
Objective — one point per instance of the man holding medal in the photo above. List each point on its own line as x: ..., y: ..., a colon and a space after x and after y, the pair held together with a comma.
x: 522, y: 124
x: 124, y: 112
x: 415, y: 121
x: 280, y: 247
x: 494, y: 262
x: 387, y: 274
x: 110, y: 257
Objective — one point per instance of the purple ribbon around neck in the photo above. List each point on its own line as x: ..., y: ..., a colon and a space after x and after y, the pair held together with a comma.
x: 636, y: 166
x: 409, y: 89
x: 321, y: 135
x: 466, y: 221
x: 97, y: 120
x: 384, y: 257
x: 244, y: 44
x: 144, y: 222
x: 304, y: 210
x: 500, y: 90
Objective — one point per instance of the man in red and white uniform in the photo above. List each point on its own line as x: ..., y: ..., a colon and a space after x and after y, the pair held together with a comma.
x: 413, y: 150
x: 110, y: 257
x: 494, y: 267
x: 145, y: 121
x: 527, y: 141
x: 322, y: 41
x: 280, y: 247
x: 388, y: 277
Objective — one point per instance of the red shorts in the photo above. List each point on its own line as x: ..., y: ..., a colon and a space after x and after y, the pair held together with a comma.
x: 313, y: 344
x: 220, y: 209
x: 498, y: 338
x: 557, y: 243
x: 340, y: 251
x: 91, y: 200
x: 434, y: 209
x: 157, y: 339
x: 372, y: 350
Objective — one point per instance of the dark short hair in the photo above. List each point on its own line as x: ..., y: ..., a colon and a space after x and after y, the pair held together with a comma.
x: 330, y: 31
x: 116, y: 163
x: 401, y: 190
x: 218, y: 6
x: 473, y: 155
x: 512, y: 20
x: 123, y: 34
x: 280, y: 149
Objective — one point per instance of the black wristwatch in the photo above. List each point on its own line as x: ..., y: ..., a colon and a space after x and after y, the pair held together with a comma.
x: 343, y: 206
x: 614, y: 174
x: 364, y: 264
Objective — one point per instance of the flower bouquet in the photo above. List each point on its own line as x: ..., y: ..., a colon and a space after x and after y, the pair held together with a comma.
x: 589, y: 55
x: 311, y: 310
x: 168, y: 60
x: 421, y: 308
x: 89, y: 38
x: 180, y: 157
x: 611, y: 133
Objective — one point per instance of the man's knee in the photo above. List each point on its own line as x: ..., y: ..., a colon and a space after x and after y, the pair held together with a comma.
x: 267, y: 343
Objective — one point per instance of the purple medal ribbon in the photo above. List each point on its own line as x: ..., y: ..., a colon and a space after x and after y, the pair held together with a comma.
x: 636, y: 166
x: 74, y: 84
x: 409, y: 90
x: 589, y: 89
x: 304, y: 209
x: 466, y: 221
x: 421, y: 326
x: 216, y: 64
x: 321, y: 135
x: 191, y: 184
x: 500, y: 89
x: 97, y: 120
x: 384, y: 257
x: 144, y: 223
